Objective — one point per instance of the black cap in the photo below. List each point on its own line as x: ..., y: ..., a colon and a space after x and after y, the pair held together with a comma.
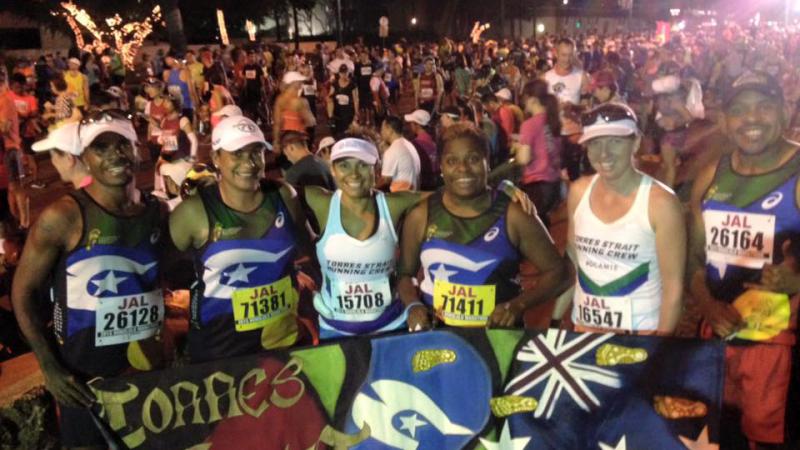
x: 761, y: 82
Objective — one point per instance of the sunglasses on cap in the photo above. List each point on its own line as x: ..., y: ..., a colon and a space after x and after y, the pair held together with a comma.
x: 608, y: 114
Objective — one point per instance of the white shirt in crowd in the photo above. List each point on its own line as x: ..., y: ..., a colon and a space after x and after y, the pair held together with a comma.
x: 401, y: 163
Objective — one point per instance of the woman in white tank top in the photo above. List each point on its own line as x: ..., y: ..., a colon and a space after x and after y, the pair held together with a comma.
x: 626, y: 236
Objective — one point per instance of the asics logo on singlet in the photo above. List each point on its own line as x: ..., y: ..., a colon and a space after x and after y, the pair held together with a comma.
x: 491, y: 234
x: 279, y: 220
x: 772, y: 201
x: 155, y: 235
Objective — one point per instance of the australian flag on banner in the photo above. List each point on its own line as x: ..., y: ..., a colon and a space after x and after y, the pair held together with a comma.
x: 612, y: 392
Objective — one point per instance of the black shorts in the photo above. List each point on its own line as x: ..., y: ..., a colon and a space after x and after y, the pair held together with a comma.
x: 78, y: 429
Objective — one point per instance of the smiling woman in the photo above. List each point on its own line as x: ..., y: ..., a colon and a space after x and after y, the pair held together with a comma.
x: 470, y: 243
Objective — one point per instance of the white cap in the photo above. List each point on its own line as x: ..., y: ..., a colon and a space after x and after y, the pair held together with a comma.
x: 228, y: 111
x: 74, y: 61
x: 235, y: 132
x: 64, y: 138
x: 419, y: 116
x: 176, y: 170
x: 107, y: 124
x: 292, y: 76
x: 355, y: 148
x: 666, y: 85
x: 327, y: 141
x: 503, y: 94
x: 601, y: 127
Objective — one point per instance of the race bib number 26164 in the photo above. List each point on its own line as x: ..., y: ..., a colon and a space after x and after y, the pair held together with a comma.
x: 738, y: 238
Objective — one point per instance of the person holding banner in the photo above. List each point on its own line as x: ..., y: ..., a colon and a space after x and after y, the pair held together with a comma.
x: 101, y: 249
x: 359, y: 240
x: 245, y: 234
x: 470, y: 243
x: 626, y: 235
x: 745, y: 229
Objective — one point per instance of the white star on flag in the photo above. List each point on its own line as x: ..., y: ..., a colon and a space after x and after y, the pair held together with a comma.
x: 240, y: 274
x: 505, y: 442
x: 554, y: 363
x: 701, y: 443
x: 410, y: 424
x: 620, y: 445
x: 442, y: 274
x: 108, y: 284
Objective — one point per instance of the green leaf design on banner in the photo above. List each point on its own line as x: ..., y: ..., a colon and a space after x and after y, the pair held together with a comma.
x: 503, y: 344
x: 325, y: 368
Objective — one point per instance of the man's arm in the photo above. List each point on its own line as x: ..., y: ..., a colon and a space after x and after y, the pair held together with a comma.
x: 49, y: 237
x: 666, y: 218
x: 723, y: 318
x: 188, y: 225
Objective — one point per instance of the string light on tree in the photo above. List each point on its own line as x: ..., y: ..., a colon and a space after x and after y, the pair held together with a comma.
x: 126, y: 38
x: 477, y: 30
x: 223, y: 31
x: 251, y: 30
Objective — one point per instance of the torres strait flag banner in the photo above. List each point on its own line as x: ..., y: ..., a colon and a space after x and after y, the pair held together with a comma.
x: 445, y: 389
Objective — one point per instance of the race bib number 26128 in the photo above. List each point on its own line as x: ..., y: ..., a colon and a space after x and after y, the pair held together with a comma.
x: 128, y: 318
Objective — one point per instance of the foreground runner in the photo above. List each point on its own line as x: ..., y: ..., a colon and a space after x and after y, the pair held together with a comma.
x: 470, y: 244
x: 100, y: 247
x: 245, y: 234
x: 626, y: 235
x: 744, y: 220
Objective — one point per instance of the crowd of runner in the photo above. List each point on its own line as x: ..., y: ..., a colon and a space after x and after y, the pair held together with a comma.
x: 363, y: 190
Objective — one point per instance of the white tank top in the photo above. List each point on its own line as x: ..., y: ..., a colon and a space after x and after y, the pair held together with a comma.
x: 356, y: 295
x: 619, y: 282
x: 567, y: 88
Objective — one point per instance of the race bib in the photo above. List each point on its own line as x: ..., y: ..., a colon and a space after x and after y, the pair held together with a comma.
x: 765, y: 314
x: 366, y: 71
x: 169, y: 143
x: 250, y: 74
x: 426, y: 92
x: 362, y: 299
x: 461, y: 305
x: 256, y: 307
x: 740, y: 239
x: 387, y: 77
x: 128, y: 318
x: 22, y: 107
x: 342, y: 99
x: 309, y: 90
x: 605, y: 312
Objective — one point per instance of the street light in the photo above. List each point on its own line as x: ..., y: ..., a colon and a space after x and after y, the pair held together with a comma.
x: 413, y: 21
x: 566, y: 2
x: 675, y: 12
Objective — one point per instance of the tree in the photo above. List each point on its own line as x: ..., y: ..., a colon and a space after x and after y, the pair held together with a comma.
x: 172, y: 16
